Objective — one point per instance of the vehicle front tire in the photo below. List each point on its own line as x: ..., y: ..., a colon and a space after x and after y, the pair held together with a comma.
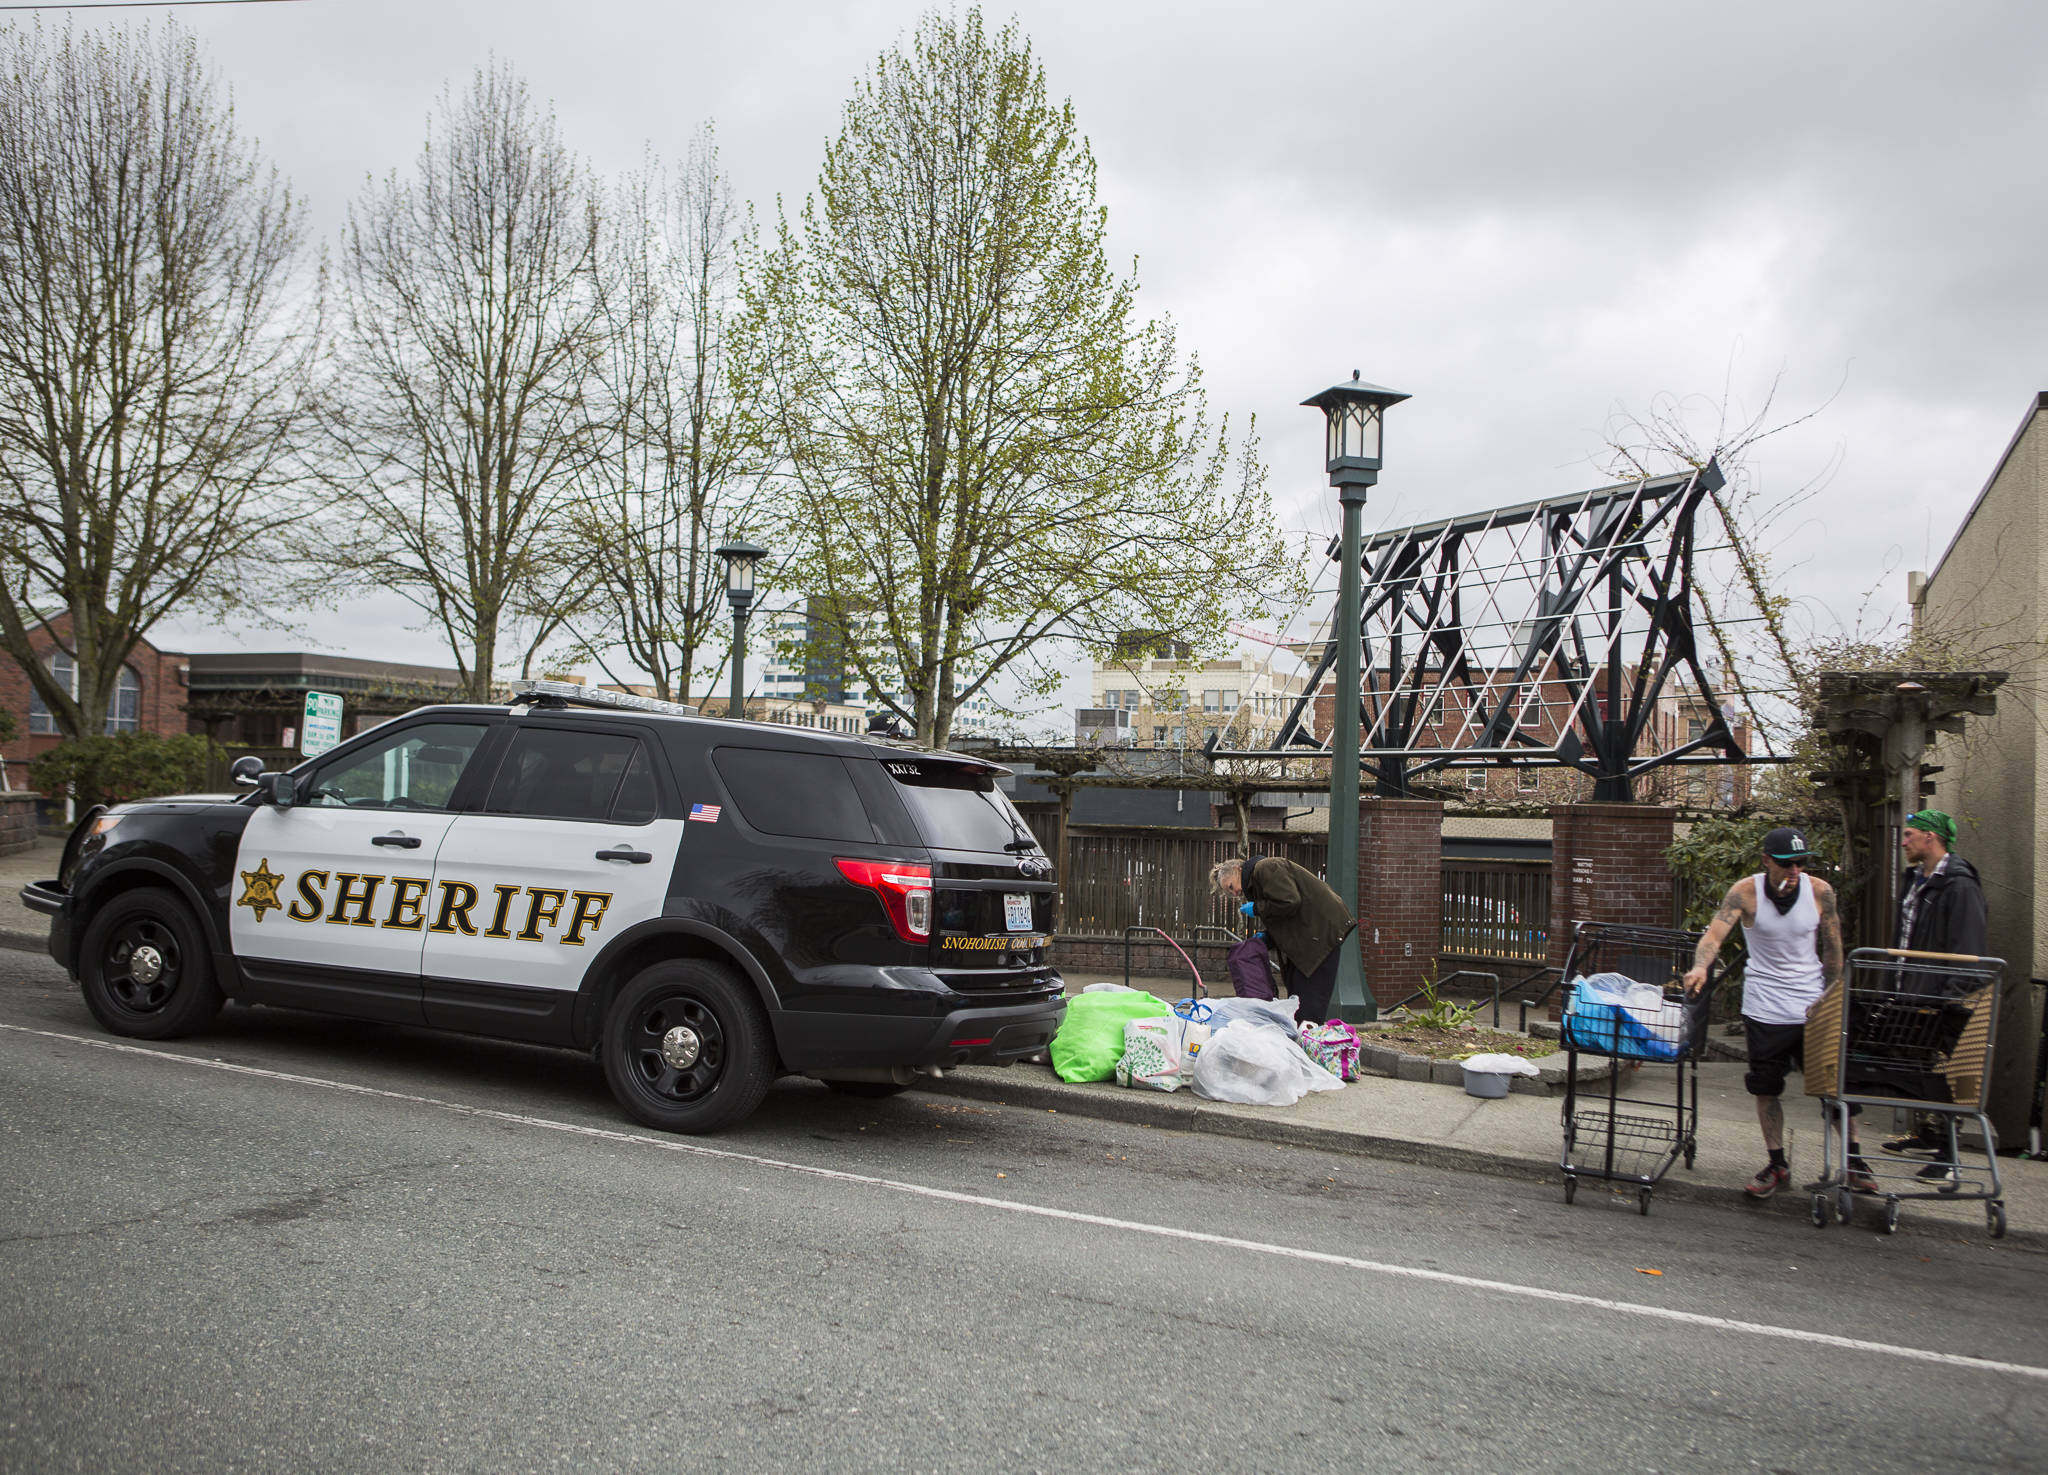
x: 686, y: 1047
x: 144, y: 968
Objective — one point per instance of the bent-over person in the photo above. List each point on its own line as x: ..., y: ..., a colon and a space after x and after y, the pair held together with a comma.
x: 1303, y: 919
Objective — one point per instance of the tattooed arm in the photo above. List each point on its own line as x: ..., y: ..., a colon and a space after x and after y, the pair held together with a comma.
x: 1738, y: 906
x: 1830, y: 938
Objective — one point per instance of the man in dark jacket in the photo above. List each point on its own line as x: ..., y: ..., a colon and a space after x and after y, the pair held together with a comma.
x: 1304, y: 920
x: 1941, y: 910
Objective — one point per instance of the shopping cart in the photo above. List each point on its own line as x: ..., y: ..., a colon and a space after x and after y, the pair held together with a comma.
x: 1911, y: 1030
x: 1632, y: 1139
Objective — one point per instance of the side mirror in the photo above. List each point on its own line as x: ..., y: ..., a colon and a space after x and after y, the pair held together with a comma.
x: 245, y: 771
x: 280, y: 789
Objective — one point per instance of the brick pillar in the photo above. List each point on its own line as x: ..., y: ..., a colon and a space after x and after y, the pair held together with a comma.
x: 1607, y: 865
x: 1400, y: 892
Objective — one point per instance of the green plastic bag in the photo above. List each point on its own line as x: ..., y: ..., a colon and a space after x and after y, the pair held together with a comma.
x: 1091, y: 1038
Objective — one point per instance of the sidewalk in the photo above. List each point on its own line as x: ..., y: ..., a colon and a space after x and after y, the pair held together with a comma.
x: 1520, y: 1136
x: 1409, y: 1121
x: 20, y: 927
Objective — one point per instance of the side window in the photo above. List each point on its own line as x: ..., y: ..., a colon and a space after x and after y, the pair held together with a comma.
x: 414, y: 769
x: 559, y: 773
x: 808, y: 795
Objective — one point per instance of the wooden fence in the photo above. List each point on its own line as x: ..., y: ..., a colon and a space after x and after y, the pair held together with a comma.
x: 1120, y: 876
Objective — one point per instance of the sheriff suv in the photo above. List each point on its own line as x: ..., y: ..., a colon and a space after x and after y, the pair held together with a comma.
x: 706, y: 904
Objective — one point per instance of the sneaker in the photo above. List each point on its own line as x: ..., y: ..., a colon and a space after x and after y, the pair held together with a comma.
x: 1947, y: 1175
x: 1858, y: 1178
x: 1768, y: 1182
x: 1920, y: 1141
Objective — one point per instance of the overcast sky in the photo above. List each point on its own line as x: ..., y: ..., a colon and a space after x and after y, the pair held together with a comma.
x: 1529, y: 216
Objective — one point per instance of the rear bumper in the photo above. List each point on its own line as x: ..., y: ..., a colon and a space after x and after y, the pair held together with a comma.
x: 818, y: 1041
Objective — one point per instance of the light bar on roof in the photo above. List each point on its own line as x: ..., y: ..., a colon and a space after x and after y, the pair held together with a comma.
x: 568, y: 693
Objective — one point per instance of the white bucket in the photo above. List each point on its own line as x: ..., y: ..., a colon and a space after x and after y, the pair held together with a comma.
x: 1491, y: 1085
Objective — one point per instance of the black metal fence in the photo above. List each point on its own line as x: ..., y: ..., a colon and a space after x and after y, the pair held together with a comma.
x: 1497, y: 909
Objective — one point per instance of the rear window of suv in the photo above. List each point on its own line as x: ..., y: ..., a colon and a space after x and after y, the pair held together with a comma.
x: 959, y: 808
x: 807, y: 795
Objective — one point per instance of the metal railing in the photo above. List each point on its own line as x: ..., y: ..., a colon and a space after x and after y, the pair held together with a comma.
x: 1497, y: 910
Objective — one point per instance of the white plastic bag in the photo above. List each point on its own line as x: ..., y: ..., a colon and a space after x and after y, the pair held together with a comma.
x: 1109, y: 988
x: 1258, y: 1067
x: 1278, y: 1012
x: 1644, y: 1000
x: 1501, y: 1065
x: 1159, y: 1053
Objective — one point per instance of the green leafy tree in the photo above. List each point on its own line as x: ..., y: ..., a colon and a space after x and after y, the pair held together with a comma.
x: 114, y: 769
x: 151, y: 370
x: 983, y: 445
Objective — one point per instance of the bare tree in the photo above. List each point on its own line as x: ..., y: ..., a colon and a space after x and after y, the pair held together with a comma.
x: 151, y: 368
x: 457, y: 419
x: 677, y: 465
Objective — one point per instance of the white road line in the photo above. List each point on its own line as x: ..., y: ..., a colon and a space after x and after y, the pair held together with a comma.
x: 1128, y: 1226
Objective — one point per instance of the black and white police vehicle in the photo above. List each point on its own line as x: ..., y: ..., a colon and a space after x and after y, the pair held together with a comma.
x: 704, y: 903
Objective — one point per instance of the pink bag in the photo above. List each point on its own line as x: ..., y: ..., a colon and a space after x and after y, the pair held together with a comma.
x: 1333, y: 1046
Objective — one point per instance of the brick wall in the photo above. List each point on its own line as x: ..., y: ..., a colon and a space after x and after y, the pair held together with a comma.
x: 1607, y: 865
x: 1400, y: 892
x: 17, y: 823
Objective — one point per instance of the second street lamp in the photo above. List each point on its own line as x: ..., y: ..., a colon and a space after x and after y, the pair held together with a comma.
x: 740, y: 557
x: 1354, y: 415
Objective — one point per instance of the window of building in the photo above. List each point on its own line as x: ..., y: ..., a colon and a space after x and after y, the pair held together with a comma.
x: 1159, y: 735
x: 124, y: 706
x: 1695, y: 729
x: 1527, y: 780
x: 1475, y: 778
x: 1212, y: 700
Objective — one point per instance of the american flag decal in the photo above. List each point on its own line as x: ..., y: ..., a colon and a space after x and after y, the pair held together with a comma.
x: 707, y: 812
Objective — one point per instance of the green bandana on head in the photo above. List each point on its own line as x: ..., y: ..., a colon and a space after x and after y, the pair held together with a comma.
x: 1935, y: 823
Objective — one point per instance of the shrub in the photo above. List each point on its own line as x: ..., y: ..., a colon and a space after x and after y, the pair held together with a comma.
x: 128, y: 765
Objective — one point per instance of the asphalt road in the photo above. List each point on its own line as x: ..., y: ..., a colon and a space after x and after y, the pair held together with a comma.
x: 296, y: 1244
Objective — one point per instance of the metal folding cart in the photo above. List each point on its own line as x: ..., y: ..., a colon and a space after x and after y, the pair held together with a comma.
x: 1907, y: 1030
x: 1628, y: 1138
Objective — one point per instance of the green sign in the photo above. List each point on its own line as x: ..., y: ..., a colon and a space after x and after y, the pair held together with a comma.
x: 322, y: 729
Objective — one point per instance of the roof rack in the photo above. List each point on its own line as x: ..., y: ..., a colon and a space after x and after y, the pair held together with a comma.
x: 531, y: 693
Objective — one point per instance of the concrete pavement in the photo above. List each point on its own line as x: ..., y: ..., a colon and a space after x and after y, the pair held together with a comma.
x: 1407, y: 1121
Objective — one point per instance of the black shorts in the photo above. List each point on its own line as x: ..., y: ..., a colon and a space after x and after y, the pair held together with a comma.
x: 1774, y: 1051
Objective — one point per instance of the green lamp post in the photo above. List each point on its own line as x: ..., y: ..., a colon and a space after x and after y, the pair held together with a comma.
x: 1354, y: 413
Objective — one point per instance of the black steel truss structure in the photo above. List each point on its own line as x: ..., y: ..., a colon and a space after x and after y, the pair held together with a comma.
x: 1537, y: 635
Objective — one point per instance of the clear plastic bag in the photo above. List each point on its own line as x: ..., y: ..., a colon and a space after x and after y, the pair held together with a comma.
x: 1258, y: 1067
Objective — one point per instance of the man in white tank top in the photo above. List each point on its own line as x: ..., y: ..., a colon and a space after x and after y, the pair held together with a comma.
x: 1794, y: 935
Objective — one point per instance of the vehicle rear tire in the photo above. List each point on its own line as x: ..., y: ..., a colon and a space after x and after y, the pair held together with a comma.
x: 144, y: 968
x: 686, y: 1047
x: 867, y: 1090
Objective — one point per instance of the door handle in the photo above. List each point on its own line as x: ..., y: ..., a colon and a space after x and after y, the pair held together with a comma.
x: 637, y: 857
x: 396, y: 840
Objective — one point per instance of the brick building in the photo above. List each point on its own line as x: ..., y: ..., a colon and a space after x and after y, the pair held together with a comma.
x: 151, y: 697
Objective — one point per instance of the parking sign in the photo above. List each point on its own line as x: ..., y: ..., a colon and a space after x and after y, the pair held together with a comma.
x: 322, y: 729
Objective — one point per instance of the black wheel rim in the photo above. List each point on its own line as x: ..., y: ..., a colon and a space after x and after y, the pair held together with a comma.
x: 676, y: 1048
x: 142, y: 965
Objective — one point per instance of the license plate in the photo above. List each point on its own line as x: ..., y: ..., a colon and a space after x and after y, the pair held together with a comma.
x: 1016, y: 911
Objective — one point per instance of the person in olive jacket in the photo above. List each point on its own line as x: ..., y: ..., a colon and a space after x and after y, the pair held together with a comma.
x: 1303, y: 919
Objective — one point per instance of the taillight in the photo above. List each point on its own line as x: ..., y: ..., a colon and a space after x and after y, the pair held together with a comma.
x: 906, y: 892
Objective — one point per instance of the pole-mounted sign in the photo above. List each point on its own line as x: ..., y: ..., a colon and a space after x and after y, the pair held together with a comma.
x: 322, y: 728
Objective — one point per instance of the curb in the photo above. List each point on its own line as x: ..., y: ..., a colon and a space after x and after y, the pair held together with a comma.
x: 1173, y: 1113
x: 24, y: 942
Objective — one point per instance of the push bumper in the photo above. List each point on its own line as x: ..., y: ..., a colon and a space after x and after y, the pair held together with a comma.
x: 50, y: 898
